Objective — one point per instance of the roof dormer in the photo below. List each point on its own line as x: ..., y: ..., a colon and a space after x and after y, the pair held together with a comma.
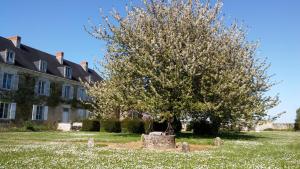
x: 68, y: 72
x: 10, y: 57
x: 43, y: 66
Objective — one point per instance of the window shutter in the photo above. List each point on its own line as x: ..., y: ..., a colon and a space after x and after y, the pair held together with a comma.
x: 65, y: 71
x: 46, y: 67
x: 36, y: 87
x: 40, y: 65
x: 34, y: 112
x: 47, y: 88
x: 12, y: 113
x: 63, y: 91
x: 71, y: 92
x: 14, y: 57
x: 37, y: 65
x: 78, y: 93
x: 71, y: 73
x: 85, y: 96
x: 45, y: 112
x: 15, y: 82
x: 87, y: 113
x: 79, y: 114
x: 6, y: 56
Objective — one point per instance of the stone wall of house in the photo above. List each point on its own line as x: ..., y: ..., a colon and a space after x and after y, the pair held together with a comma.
x: 55, y: 114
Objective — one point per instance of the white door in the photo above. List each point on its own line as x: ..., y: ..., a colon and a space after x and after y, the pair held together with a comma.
x: 65, y: 115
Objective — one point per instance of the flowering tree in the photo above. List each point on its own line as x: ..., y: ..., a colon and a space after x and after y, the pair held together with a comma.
x: 178, y: 58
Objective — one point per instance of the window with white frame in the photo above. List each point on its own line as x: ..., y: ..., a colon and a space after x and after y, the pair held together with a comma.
x: 67, y: 91
x: 4, y: 110
x: 39, y: 112
x: 10, y: 57
x: 82, y: 114
x: 7, y: 110
x: 81, y: 94
x: 7, y: 81
x: 42, y: 87
x: 68, y: 72
x: 43, y: 66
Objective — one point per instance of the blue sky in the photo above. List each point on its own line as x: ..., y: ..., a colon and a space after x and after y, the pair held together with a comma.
x: 53, y: 25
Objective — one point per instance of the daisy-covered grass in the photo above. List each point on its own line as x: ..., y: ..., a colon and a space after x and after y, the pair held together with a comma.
x: 69, y: 150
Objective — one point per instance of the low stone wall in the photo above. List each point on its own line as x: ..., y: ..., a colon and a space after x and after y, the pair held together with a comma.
x: 153, y: 141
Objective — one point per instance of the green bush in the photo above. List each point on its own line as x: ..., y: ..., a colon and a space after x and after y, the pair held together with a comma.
x: 133, y: 125
x: 111, y: 125
x: 39, y: 126
x: 177, y: 126
x: 203, y: 127
x: 29, y: 126
x: 90, y: 125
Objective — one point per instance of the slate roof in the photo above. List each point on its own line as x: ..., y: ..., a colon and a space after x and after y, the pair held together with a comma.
x: 26, y: 57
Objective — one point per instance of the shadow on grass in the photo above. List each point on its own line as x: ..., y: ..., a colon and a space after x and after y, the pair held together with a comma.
x: 126, y: 135
x: 224, y: 135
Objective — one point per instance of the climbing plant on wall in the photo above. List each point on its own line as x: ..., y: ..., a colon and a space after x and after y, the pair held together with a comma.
x: 24, y: 96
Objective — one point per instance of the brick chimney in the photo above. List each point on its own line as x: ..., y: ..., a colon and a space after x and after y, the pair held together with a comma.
x: 16, y: 40
x: 85, y: 65
x: 60, y: 57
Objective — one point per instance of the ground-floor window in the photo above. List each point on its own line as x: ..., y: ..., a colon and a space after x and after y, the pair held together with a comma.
x: 39, y: 112
x: 4, y: 110
x: 7, y: 110
x: 82, y: 114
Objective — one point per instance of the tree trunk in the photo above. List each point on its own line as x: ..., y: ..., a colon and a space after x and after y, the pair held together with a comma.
x: 170, y: 130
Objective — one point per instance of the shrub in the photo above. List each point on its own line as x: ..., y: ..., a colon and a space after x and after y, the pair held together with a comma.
x: 203, y: 127
x: 111, y: 125
x: 29, y: 126
x: 177, y: 126
x: 39, y: 126
x: 189, y: 127
x: 90, y: 125
x: 162, y: 126
x: 133, y: 125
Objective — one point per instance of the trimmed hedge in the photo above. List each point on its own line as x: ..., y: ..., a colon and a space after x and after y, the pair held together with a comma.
x: 133, y: 126
x: 111, y: 125
x: 90, y: 125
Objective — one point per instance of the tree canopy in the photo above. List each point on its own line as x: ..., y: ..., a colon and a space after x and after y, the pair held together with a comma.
x: 179, y: 58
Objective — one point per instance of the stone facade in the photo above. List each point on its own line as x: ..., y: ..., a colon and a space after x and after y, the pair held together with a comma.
x: 47, y: 70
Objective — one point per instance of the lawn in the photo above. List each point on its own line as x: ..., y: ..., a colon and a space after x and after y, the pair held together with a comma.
x: 69, y: 150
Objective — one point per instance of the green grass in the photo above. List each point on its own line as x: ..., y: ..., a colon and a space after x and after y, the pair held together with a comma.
x: 69, y: 150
